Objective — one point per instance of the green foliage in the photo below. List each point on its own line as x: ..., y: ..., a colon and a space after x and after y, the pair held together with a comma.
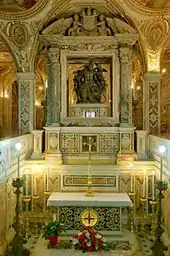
x: 53, y: 228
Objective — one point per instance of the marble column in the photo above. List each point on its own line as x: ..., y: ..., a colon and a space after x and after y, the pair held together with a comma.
x: 26, y: 86
x: 125, y: 87
x: 152, y: 102
x: 53, y: 90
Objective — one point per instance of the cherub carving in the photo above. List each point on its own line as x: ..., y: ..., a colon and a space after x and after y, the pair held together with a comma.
x: 76, y: 27
x: 101, y: 26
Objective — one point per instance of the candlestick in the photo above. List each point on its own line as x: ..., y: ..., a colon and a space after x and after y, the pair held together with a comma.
x: 18, y: 170
x: 153, y: 186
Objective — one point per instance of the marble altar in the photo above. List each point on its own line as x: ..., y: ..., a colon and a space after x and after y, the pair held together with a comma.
x: 104, y: 211
x: 79, y: 199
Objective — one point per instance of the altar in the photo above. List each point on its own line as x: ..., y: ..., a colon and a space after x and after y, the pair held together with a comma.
x: 103, y: 211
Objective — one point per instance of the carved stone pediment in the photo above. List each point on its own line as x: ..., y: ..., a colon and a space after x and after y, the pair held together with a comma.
x: 88, y: 22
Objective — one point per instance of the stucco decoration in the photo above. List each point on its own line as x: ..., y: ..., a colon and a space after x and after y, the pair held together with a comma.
x: 155, y: 32
x: 16, y: 5
x: 19, y: 33
x: 155, y: 4
x: 88, y: 22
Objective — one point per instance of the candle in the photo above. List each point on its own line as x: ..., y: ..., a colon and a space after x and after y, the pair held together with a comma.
x: 47, y: 181
x: 131, y: 183
x: 144, y: 185
x: 18, y: 169
x: 35, y: 184
x: 26, y: 184
x: 153, y: 185
x: 131, y: 179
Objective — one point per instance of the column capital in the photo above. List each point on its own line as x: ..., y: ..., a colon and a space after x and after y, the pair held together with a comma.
x: 125, y: 54
x: 54, y: 55
x: 152, y: 76
x: 26, y: 75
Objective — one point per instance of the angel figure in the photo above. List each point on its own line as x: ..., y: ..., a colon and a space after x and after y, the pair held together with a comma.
x: 76, y: 27
x: 101, y: 26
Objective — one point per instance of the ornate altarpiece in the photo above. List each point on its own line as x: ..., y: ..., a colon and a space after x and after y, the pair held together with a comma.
x: 89, y: 35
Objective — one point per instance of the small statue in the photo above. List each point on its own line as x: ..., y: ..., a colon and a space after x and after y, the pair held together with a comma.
x: 102, y: 29
x: 76, y: 27
x: 89, y: 83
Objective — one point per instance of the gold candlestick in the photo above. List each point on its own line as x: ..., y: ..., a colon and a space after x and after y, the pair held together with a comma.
x: 26, y: 200
x: 143, y: 202
x: 89, y: 192
x: 132, y: 211
x: 153, y: 221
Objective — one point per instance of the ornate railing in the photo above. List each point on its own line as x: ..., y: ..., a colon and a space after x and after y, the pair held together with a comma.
x: 153, y: 147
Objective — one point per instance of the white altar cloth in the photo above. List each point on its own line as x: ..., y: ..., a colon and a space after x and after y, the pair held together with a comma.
x: 79, y: 199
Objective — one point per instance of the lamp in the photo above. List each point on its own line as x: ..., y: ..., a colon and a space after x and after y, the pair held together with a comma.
x: 18, y: 241
x: 158, y: 248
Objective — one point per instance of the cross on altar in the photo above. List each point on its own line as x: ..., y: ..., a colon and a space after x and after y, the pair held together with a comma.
x: 89, y: 217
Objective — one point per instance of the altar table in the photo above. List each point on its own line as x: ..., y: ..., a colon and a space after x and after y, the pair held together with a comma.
x: 79, y: 199
x: 103, y: 210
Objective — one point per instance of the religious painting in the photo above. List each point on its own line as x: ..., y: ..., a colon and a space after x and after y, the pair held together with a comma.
x: 16, y: 5
x: 89, y: 82
x: 155, y: 3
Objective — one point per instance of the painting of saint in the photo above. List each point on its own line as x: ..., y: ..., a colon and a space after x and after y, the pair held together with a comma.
x: 156, y: 4
x: 16, y: 5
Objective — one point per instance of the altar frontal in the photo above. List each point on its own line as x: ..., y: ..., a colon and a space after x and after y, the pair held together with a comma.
x: 103, y: 211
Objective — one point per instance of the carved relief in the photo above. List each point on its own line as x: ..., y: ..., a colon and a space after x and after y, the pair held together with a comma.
x: 18, y: 33
x: 88, y: 22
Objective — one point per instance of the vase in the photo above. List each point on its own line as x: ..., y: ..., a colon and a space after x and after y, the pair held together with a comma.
x: 53, y: 240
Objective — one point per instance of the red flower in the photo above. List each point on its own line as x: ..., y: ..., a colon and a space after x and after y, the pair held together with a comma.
x: 82, y: 237
x: 76, y: 236
x: 83, y: 245
x: 90, y: 248
x: 88, y: 228
x: 100, y: 241
x: 93, y: 233
x: 93, y: 241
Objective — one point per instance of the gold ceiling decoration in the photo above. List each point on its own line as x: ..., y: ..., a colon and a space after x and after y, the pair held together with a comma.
x: 155, y: 4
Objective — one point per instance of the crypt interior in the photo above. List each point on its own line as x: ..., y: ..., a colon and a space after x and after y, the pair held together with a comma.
x: 85, y: 124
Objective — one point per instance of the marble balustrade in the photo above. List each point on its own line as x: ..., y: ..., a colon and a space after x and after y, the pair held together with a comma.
x: 8, y: 169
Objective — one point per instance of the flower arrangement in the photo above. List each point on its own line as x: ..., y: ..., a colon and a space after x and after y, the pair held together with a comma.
x: 89, y: 240
x: 52, y: 231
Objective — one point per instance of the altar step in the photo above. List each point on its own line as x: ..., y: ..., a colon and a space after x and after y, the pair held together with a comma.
x: 38, y: 246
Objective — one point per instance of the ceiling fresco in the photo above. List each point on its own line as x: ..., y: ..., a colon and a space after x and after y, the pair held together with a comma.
x: 16, y: 5
x: 155, y: 3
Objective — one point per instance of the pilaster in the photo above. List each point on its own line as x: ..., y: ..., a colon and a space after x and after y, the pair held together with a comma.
x: 37, y: 153
x: 141, y: 144
x: 152, y: 102
x: 52, y: 144
x: 53, y: 90
x: 26, y: 87
x: 125, y: 87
